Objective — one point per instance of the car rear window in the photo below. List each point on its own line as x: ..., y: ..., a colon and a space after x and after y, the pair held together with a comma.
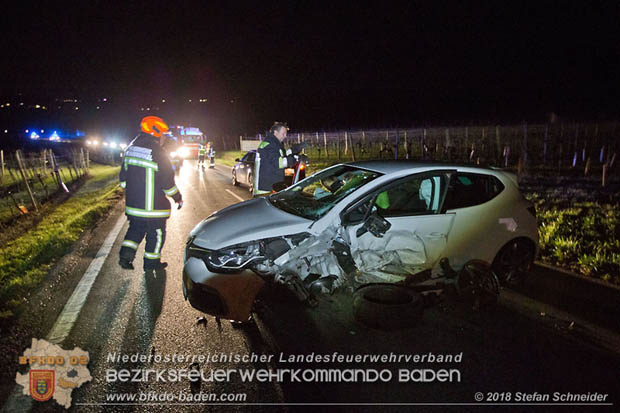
x: 466, y: 190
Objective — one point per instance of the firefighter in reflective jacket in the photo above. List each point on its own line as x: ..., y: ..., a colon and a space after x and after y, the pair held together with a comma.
x: 147, y: 176
x: 272, y: 160
x: 202, y: 151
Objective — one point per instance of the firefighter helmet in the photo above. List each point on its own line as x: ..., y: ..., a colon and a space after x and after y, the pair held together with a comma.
x: 153, y: 125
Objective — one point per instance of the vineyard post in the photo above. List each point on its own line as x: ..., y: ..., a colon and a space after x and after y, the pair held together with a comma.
x: 325, y: 143
x: 83, y: 160
x: 497, y: 142
x: 338, y: 145
x: 44, y: 161
x: 21, y: 170
x: 396, y: 147
x: 467, y: 140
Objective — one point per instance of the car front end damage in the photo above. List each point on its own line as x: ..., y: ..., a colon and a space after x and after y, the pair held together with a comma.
x: 225, y: 282
x: 292, y: 238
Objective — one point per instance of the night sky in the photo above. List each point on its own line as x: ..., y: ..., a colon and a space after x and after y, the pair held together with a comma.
x: 318, y: 65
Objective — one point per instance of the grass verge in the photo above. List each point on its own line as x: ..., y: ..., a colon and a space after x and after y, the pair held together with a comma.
x: 228, y: 157
x: 27, y: 258
x: 582, y: 236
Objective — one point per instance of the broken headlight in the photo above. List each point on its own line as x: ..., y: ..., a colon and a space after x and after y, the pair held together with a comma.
x: 235, y: 257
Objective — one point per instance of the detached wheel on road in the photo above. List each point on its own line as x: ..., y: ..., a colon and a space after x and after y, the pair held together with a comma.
x: 234, y: 179
x: 387, y: 306
x: 513, y: 262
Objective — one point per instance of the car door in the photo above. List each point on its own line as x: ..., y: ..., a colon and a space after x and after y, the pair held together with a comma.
x: 471, y: 198
x: 249, y: 165
x: 242, y: 169
x: 400, y: 229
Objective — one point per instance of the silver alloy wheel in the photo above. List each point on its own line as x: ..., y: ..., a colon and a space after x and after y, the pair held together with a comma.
x: 513, y: 262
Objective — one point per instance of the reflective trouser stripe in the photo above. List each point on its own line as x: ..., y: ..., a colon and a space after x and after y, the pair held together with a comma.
x: 158, y: 245
x: 171, y: 191
x: 151, y: 256
x: 150, y: 189
x: 123, y: 184
x: 130, y: 244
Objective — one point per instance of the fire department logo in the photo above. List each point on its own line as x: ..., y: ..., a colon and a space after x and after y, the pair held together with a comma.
x: 41, y: 384
x: 52, y: 372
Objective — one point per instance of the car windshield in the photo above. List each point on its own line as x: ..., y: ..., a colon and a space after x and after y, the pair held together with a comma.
x: 315, y: 196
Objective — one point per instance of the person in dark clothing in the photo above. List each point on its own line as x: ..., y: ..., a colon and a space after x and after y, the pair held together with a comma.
x: 148, y: 177
x: 272, y: 160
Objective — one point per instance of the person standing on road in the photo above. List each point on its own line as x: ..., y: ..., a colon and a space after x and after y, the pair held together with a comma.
x: 211, y: 153
x: 202, y: 151
x: 273, y: 159
x: 147, y: 176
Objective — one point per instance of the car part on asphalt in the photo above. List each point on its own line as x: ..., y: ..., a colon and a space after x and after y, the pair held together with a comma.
x: 387, y: 306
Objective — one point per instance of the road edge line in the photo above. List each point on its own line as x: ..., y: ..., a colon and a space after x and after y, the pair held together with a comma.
x: 17, y: 401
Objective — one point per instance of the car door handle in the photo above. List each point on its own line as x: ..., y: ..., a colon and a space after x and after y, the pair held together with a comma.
x: 436, y: 235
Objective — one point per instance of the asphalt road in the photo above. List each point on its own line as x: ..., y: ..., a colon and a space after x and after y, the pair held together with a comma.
x: 503, y: 351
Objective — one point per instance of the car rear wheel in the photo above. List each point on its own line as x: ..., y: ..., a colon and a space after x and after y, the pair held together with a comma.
x: 387, y: 306
x: 477, y: 284
x: 234, y: 179
x: 513, y: 262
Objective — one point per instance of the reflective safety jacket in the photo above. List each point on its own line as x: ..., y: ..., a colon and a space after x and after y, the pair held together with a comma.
x: 147, y: 176
x: 202, y: 150
x: 273, y: 161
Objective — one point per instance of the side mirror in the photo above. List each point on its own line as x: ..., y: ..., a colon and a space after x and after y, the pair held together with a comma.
x: 279, y: 186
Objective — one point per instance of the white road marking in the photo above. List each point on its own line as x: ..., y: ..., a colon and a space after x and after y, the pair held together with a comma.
x: 65, y: 321
x: 235, y: 195
x: 17, y: 401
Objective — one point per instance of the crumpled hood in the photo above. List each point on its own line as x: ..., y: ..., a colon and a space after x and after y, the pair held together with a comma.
x: 247, y: 221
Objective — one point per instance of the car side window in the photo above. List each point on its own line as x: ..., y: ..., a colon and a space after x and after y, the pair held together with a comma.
x: 467, y: 189
x: 418, y: 195
x: 248, y: 157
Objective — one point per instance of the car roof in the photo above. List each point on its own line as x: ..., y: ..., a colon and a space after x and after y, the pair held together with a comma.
x: 389, y: 167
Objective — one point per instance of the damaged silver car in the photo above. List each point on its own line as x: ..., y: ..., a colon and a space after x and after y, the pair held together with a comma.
x: 351, y: 225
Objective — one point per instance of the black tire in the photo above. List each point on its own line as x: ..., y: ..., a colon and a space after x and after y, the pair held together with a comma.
x: 387, y: 306
x: 234, y: 179
x: 513, y: 262
x: 477, y: 284
x: 251, y: 182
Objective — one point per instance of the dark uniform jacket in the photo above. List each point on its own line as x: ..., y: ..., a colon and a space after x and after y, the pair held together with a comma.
x: 147, y: 176
x: 273, y: 161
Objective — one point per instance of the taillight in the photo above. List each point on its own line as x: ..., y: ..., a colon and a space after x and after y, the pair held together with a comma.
x: 302, y: 167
